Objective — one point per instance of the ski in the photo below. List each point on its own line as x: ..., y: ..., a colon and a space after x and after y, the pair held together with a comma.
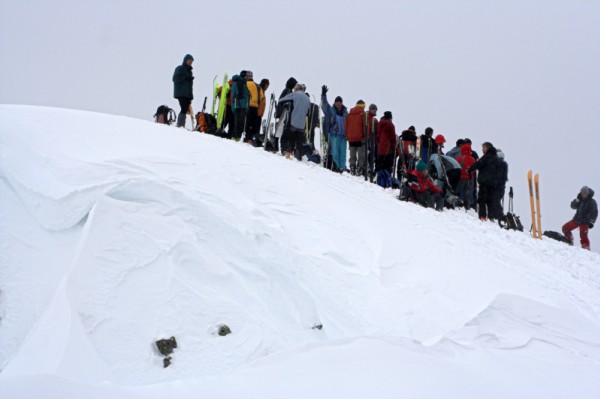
x: 215, y: 89
x: 222, y: 102
x: 536, y: 183
x: 534, y: 230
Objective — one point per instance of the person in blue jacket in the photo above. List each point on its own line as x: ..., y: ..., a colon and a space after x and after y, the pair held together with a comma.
x: 334, y: 128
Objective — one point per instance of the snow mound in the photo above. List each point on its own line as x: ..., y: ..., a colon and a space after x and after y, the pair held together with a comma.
x: 118, y: 232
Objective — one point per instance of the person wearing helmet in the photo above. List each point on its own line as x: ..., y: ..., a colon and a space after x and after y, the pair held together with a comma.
x: 439, y: 141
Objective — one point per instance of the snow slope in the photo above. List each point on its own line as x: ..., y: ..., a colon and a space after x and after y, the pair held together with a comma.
x: 118, y: 232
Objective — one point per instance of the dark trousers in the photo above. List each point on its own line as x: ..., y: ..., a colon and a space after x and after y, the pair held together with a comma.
x: 239, y: 123
x: 485, y: 200
x: 184, y: 103
x: 252, y: 124
x: 385, y: 162
x: 228, y: 119
x: 292, y: 140
x: 430, y: 200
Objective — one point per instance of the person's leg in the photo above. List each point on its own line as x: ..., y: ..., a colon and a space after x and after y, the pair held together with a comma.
x: 583, y: 234
x: 360, y: 170
x: 482, y: 201
x: 184, y: 104
x: 567, y: 230
x: 298, y: 144
x: 353, y: 158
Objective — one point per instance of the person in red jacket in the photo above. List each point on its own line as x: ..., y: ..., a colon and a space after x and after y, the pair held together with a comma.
x: 465, y: 185
x: 387, y: 141
x: 356, y: 123
x: 425, y: 192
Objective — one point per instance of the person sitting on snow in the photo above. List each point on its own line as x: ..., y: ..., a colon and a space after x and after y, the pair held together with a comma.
x: 424, y: 191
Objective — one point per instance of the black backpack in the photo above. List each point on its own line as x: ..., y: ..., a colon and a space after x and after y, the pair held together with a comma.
x: 556, y: 236
x: 510, y: 221
x: 165, y: 115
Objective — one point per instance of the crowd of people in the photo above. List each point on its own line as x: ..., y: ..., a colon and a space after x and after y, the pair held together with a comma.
x: 417, y: 165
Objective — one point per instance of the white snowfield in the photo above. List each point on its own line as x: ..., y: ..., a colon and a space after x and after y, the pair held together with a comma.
x: 117, y: 232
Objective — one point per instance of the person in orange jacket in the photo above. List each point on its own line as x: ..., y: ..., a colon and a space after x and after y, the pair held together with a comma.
x: 356, y: 123
x: 387, y: 141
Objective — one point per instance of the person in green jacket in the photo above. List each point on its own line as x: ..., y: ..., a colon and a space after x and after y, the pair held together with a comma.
x: 183, y: 82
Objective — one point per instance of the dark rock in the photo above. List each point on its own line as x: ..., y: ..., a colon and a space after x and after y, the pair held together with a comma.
x: 317, y: 327
x: 167, y: 361
x: 166, y: 346
x: 224, y: 330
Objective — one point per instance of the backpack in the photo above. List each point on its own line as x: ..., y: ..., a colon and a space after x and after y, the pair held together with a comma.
x: 165, y: 115
x: 556, y: 236
x: 206, y: 122
x: 384, y: 178
x: 510, y: 221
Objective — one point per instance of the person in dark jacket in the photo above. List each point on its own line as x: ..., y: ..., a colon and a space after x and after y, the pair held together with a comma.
x: 501, y: 185
x: 409, y: 150
x: 487, y: 166
x: 585, y: 216
x: 183, y: 82
x: 386, y: 147
x: 428, y: 145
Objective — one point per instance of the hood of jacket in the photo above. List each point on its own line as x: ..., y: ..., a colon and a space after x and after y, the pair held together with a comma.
x: 465, y: 149
x: 291, y: 82
x: 357, y: 110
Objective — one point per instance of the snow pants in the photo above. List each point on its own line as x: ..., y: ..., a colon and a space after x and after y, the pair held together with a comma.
x: 337, y: 148
x: 357, y: 150
x: 465, y: 191
x: 485, y: 200
x: 583, y: 233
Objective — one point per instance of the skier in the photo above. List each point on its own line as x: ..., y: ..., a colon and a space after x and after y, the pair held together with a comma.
x: 294, y: 134
x: 487, y: 166
x: 424, y: 191
x: 281, y: 112
x: 456, y: 152
x: 500, y: 185
x: 372, y: 143
x: 239, y: 104
x: 334, y: 127
x: 356, y: 122
x: 256, y: 97
x: 428, y: 145
x: 386, y: 146
x: 585, y: 216
x: 409, y: 142
x: 264, y: 85
x: 183, y: 82
x: 466, y: 183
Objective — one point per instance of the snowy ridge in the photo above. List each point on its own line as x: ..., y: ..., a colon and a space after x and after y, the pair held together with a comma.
x: 119, y: 232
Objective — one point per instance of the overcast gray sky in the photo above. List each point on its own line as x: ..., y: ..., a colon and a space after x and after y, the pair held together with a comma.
x: 524, y: 75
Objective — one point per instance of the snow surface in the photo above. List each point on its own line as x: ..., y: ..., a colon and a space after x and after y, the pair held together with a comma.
x: 117, y: 232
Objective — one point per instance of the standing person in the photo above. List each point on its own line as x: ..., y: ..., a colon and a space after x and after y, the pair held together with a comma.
x: 585, y: 216
x: 356, y: 123
x: 409, y: 149
x: 456, y: 152
x: 256, y: 96
x: 487, y: 166
x: 281, y: 112
x: 264, y: 85
x: 466, y: 183
x: 372, y: 143
x: 239, y: 104
x: 294, y: 134
x: 183, y: 82
x: 439, y: 145
x: 428, y: 145
x: 334, y: 127
x: 386, y: 147
x: 474, y: 154
x: 501, y: 185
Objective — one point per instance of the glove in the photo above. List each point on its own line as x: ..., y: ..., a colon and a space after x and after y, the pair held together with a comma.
x: 324, y: 90
x: 591, y: 225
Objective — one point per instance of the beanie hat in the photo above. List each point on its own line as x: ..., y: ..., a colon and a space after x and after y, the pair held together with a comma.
x: 360, y: 103
x: 249, y: 74
x: 585, y: 190
x: 264, y: 82
x: 187, y: 57
x: 460, y: 142
x: 373, y: 106
x: 439, y: 139
x: 421, y: 166
x: 428, y: 131
x: 412, y: 128
x: 387, y: 115
x: 468, y: 141
x: 338, y: 98
x: 243, y: 74
x: 488, y: 144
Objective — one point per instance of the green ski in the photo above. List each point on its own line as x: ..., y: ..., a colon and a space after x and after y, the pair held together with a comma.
x: 222, y: 101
